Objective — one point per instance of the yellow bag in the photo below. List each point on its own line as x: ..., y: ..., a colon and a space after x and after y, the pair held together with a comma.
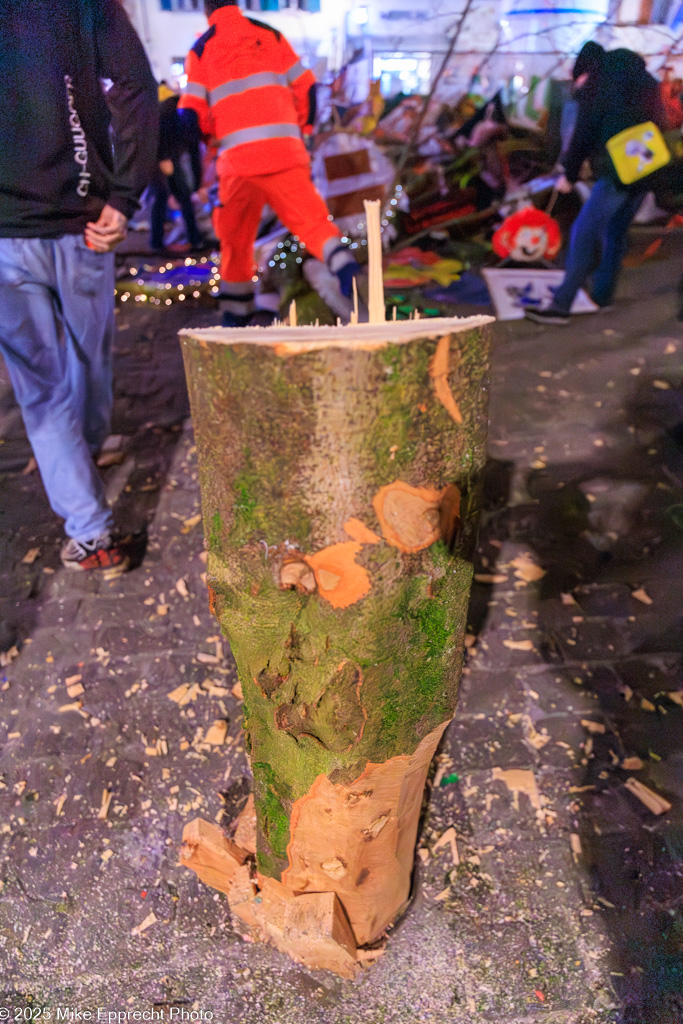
x: 638, y: 152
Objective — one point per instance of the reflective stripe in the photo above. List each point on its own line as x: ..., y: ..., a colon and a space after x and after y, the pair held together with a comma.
x: 237, y: 308
x: 296, y: 72
x: 195, y: 89
x: 259, y: 133
x: 239, y: 85
x: 233, y: 289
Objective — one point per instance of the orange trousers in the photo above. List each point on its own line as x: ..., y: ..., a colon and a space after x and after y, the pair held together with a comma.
x: 295, y: 200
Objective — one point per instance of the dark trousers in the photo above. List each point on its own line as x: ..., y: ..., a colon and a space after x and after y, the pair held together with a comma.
x: 599, y: 240
x: 174, y: 185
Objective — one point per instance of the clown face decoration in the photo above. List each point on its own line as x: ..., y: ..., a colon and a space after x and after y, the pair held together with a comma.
x: 528, y: 236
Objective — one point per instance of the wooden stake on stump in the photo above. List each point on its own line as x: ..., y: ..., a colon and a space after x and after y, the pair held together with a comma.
x: 339, y: 470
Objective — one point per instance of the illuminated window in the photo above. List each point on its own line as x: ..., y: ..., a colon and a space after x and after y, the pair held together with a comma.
x: 665, y: 12
x: 403, y: 72
x: 313, y: 6
x: 182, y: 5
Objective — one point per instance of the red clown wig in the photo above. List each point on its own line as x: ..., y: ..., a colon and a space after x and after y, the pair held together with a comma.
x: 528, y: 235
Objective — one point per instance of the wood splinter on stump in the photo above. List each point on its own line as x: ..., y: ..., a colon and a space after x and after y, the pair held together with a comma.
x: 340, y: 472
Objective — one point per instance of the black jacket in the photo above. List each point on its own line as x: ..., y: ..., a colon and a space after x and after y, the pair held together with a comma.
x: 65, y: 148
x: 621, y: 96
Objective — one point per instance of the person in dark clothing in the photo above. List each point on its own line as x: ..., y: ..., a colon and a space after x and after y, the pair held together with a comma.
x: 615, y: 92
x: 178, y: 134
x: 66, y: 193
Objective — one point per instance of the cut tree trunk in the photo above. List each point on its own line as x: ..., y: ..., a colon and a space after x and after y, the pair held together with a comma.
x: 339, y: 470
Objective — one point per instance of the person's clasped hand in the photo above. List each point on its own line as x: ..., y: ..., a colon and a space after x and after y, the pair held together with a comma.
x: 564, y: 186
x: 108, y: 231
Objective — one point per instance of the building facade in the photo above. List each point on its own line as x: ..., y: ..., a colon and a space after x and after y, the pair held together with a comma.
x: 169, y: 28
x: 401, y: 42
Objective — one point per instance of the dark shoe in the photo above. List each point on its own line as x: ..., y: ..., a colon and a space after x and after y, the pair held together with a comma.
x: 346, y: 277
x: 547, y: 316
x: 343, y: 265
x: 164, y: 254
x: 609, y: 307
x: 104, y: 553
x: 262, y: 318
x: 233, y: 320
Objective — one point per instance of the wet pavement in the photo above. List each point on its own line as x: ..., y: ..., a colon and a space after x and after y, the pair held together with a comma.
x: 558, y: 894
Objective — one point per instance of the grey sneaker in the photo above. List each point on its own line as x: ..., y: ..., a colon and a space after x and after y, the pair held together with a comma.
x: 104, y: 553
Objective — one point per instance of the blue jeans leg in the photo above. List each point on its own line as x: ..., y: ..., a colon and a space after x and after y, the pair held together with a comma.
x: 600, y: 229
x: 85, y: 285
x: 56, y: 327
x: 614, y: 248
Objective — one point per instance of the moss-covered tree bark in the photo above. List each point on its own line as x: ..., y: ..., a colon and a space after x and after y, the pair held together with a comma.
x: 339, y: 474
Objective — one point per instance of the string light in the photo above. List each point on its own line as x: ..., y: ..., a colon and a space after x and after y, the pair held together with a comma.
x: 146, y: 283
x: 288, y: 250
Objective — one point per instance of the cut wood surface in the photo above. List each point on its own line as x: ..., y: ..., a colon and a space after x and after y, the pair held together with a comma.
x: 292, y: 341
x: 318, y: 934
x: 359, y: 839
x: 655, y: 803
x: 376, y: 304
x: 211, y: 855
x: 409, y: 516
x: 312, y: 929
x: 340, y: 498
x: 245, y: 827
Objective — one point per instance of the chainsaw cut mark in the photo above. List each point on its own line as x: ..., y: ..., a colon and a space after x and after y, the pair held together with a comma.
x: 439, y: 371
x: 358, y: 531
x: 359, y: 838
x: 340, y: 579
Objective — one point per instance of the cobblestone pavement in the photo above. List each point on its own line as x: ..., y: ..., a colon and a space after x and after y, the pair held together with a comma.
x: 562, y: 895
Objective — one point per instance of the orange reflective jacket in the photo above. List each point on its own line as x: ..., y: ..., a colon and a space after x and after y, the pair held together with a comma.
x: 251, y: 93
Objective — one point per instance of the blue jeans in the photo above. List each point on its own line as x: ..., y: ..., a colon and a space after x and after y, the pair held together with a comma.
x: 56, y: 332
x: 599, y: 235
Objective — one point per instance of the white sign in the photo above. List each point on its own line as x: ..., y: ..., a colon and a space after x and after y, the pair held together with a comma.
x: 515, y: 290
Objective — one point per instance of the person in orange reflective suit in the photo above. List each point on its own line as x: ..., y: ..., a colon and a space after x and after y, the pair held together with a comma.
x: 255, y: 98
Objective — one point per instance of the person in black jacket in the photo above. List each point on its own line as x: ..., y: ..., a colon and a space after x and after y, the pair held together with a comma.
x: 78, y: 143
x: 178, y: 134
x: 614, y: 92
